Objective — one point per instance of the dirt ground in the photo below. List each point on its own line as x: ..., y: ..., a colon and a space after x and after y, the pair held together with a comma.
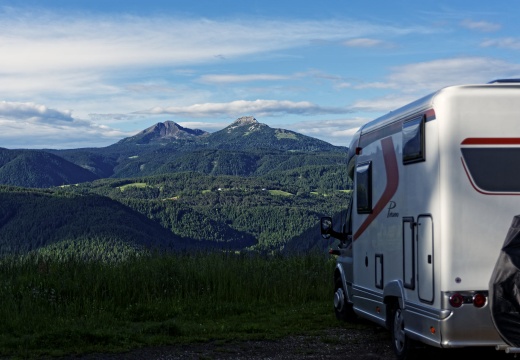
x: 363, y: 343
x: 345, y: 344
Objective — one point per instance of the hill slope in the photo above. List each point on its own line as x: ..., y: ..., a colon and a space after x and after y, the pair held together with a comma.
x: 34, y: 219
x: 39, y: 169
x: 261, y: 212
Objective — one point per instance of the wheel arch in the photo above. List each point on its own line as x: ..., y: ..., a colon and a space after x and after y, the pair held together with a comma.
x: 393, y: 293
x: 339, y: 273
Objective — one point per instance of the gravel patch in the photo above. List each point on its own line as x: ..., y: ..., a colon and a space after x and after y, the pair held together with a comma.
x: 341, y: 343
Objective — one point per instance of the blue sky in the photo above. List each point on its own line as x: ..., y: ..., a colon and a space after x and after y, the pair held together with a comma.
x: 88, y: 73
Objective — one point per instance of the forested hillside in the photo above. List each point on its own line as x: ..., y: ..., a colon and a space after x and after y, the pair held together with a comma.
x: 31, y: 220
x: 34, y: 168
x: 190, y: 210
x: 260, y: 213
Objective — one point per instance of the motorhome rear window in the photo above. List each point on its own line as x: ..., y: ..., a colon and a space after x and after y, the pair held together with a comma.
x: 364, y: 188
x: 413, y: 140
x: 494, y: 169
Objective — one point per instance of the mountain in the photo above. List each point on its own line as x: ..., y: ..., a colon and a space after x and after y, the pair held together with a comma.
x: 164, y: 132
x: 244, y: 148
x: 246, y: 133
x: 34, y: 168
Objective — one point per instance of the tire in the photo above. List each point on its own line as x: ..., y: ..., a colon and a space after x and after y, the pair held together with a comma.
x: 403, y: 347
x: 343, y: 309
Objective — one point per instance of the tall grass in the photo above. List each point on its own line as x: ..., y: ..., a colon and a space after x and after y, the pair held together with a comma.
x: 51, y: 307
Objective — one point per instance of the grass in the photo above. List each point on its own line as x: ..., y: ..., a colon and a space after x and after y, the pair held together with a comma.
x: 136, y: 185
x: 285, y: 135
x: 55, y: 308
x: 279, y: 193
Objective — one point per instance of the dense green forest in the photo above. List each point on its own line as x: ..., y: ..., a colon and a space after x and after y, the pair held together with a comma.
x: 33, y: 219
x: 176, y: 212
x: 33, y: 168
x: 261, y: 213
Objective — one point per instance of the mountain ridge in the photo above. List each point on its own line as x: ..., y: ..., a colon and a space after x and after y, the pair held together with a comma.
x: 246, y: 147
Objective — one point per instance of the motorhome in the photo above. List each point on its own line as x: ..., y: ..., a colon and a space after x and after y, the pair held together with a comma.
x: 430, y: 244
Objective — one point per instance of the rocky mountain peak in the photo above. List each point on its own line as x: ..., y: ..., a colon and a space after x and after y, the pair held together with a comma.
x: 243, y: 121
x: 168, y: 130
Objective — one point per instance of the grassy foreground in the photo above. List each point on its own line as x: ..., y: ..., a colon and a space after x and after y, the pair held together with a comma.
x: 54, y: 308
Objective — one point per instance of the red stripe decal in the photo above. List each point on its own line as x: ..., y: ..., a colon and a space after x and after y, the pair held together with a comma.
x: 491, y: 141
x: 392, y: 181
x: 430, y: 114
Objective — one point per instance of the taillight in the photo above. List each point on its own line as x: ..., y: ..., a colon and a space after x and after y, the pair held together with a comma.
x: 456, y: 300
x: 479, y: 300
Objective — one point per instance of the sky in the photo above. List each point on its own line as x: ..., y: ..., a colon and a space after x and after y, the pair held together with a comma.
x: 88, y: 73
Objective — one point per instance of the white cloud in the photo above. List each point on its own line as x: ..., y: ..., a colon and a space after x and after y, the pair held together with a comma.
x: 483, y: 26
x: 436, y: 74
x: 121, y: 63
x: 427, y: 76
x: 234, y: 78
x: 384, y: 104
x: 97, y: 42
x: 504, y: 43
x: 335, y: 131
x: 366, y: 43
x: 33, y: 113
x: 18, y: 134
x: 30, y: 125
x: 207, y: 126
x: 241, y: 107
x: 412, y: 81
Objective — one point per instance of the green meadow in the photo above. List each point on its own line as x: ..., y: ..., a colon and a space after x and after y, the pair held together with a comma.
x: 63, y: 307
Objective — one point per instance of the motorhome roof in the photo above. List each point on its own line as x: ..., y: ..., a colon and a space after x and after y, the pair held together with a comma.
x: 502, y: 81
x: 412, y: 108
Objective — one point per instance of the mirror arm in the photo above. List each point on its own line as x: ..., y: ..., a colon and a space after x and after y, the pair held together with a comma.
x: 343, y: 237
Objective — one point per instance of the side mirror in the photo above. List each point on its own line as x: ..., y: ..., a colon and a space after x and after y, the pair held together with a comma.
x: 326, y: 227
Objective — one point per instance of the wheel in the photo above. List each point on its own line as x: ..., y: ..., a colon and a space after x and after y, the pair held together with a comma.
x: 343, y: 309
x: 403, y: 347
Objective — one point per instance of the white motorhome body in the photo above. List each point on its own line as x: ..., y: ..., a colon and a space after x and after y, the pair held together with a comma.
x: 436, y: 188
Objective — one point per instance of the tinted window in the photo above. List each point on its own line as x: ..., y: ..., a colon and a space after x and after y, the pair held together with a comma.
x: 494, y: 169
x: 364, y: 188
x: 413, y: 140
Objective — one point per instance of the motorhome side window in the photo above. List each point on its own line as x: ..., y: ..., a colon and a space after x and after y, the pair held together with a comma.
x: 364, y: 188
x: 413, y: 140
